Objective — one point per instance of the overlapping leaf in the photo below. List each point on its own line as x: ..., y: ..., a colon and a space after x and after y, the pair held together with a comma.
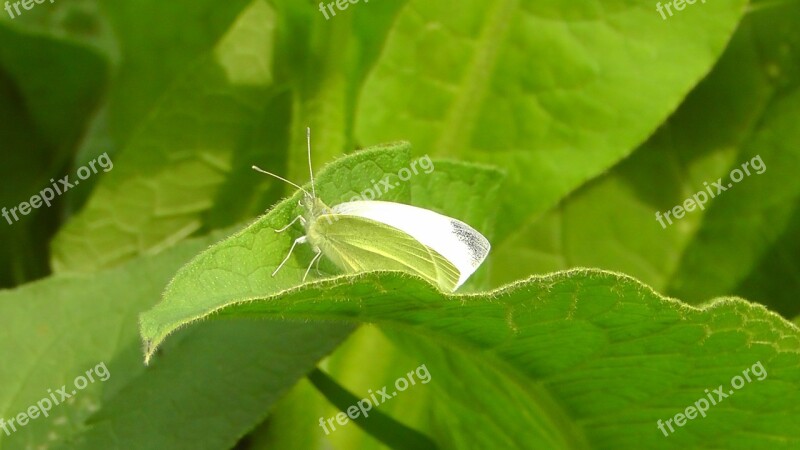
x: 562, y: 361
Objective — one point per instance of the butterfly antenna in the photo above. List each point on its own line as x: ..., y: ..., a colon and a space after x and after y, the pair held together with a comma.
x: 258, y: 169
x: 310, y: 171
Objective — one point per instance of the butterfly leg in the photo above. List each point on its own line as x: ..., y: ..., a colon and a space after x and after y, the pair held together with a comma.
x: 313, y: 260
x: 300, y: 218
x: 317, y: 268
x: 300, y: 240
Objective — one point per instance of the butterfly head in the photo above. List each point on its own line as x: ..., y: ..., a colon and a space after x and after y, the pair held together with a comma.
x: 313, y: 207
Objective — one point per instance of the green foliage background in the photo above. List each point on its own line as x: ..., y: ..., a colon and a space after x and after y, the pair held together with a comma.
x: 558, y: 129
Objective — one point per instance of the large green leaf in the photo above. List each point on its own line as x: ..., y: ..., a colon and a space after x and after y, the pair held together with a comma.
x: 761, y: 214
x: 149, y: 45
x: 149, y: 68
x: 565, y: 360
x: 172, y: 169
x: 611, y: 223
x: 555, y: 92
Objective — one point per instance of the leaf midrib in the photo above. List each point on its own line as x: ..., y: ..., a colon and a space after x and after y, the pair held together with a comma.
x: 459, y: 123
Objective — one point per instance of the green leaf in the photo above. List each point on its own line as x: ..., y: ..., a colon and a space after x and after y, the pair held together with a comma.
x: 178, y: 403
x: 170, y: 172
x: 553, y: 92
x: 74, y: 81
x: 38, y: 135
x: 149, y: 57
x: 323, y: 64
x: 150, y: 68
x: 59, y: 328
x: 576, y: 358
x: 611, y: 223
x: 761, y: 214
x: 16, y: 131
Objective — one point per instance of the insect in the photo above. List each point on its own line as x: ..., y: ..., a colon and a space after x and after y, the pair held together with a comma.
x: 379, y: 235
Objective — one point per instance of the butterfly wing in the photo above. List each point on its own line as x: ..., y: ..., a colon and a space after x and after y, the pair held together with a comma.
x: 456, y: 241
x: 357, y: 244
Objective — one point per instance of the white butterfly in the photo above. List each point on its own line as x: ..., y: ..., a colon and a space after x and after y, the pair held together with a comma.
x: 377, y: 235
